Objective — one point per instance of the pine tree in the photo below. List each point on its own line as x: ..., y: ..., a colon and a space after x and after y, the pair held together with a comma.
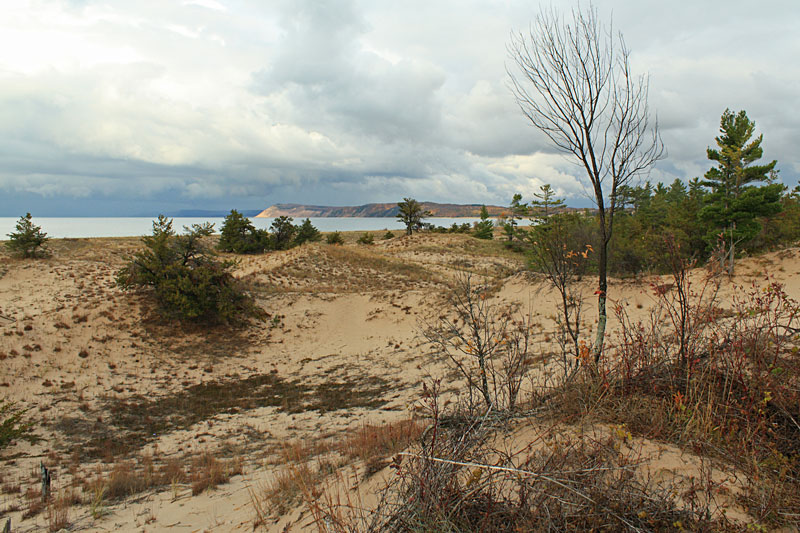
x: 29, y: 240
x: 734, y: 201
x: 238, y: 235
x: 411, y: 214
x: 518, y: 211
x: 485, y: 228
x: 545, y: 203
x: 283, y: 232
x: 185, y: 277
x: 306, y: 232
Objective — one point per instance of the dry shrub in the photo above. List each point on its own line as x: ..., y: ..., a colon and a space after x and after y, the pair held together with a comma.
x: 127, y: 478
x: 124, y: 480
x: 297, y: 451
x: 489, y: 345
x: 460, y: 481
x: 172, y: 471
x: 33, y: 497
x: 721, y: 383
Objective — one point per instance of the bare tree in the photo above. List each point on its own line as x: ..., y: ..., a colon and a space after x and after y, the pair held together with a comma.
x: 573, y: 82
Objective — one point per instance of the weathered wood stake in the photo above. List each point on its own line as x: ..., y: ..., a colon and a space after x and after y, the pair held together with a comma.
x: 45, y: 482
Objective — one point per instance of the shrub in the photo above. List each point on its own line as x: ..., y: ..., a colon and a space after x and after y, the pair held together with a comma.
x: 388, y: 235
x: 490, y: 345
x: 12, y: 424
x: 185, y: 276
x: 29, y: 240
x: 367, y: 238
x: 334, y: 238
x: 307, y: 233
x: 238, y: 235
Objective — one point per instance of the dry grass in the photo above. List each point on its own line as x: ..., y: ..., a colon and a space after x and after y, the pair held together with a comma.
x: 380, y: 441
x: 209, y: 472
x: 342, y: 269
x: 58, y: 511
x: 288, y: 487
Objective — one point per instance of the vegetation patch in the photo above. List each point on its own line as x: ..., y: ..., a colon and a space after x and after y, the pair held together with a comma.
x: 338, y: 269
x: 134, y: 421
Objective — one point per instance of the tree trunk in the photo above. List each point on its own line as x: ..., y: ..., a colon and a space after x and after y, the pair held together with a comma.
x: 731, y: 252
x: 485, y: 382
x: 602, y: 289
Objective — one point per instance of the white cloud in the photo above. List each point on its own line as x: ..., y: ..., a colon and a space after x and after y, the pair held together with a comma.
x: 348, y: 102
x: 210, y: 4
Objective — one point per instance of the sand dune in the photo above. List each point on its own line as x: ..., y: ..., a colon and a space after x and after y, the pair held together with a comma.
x: 107, y: 380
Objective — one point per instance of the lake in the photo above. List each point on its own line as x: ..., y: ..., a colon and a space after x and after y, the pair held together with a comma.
x: 81, y: 227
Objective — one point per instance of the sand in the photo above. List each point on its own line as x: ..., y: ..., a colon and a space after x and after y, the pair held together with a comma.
x: 106, y: 379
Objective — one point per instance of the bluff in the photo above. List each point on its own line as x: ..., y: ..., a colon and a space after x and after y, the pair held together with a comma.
x: 375, y: 210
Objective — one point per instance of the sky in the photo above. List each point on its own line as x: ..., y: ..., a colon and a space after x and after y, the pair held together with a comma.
x: 135, y: 108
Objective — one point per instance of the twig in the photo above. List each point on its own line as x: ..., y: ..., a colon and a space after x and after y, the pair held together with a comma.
x: 520, y: 471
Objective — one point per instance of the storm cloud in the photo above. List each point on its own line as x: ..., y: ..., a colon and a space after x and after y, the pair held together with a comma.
x: 132, y: 108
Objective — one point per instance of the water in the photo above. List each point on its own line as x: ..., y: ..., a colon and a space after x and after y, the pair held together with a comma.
x: 82, y: 227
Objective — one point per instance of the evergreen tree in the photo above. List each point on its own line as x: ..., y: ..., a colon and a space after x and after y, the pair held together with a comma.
x: 485, y: 228
x: 29, y: 240
x: 734, y: 201
x: 411, y: 214
x: 13, y: 424
x: 518, y: 211
x: 307, y: 233
x: 334, y: 238
x: 186, y: 278
x: 283, y: 232
x: 545, y: 203
x: 238, y: 235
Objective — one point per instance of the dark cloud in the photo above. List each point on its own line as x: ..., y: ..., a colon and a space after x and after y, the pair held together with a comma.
x: 127, y: 108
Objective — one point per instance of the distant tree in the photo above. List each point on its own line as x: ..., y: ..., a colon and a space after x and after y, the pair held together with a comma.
x: 545, y: 203
x: 186, y: 278
x: 411, y: 214
x: 734, y: 202
x: 29, y: 240
x: 517, y: 211
x: 306, y: 232
x: 334, y: 238
x: 485, y: 228
x: 282, y: 232
x: 238, y: 235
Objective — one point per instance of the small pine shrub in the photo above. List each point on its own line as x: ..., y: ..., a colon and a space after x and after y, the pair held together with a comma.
x: 334, y: 238
x: 388, y: 235
x: 12, y: 424
x: 29, y: 240
x: 187, y: 279
x: 367, y: 239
